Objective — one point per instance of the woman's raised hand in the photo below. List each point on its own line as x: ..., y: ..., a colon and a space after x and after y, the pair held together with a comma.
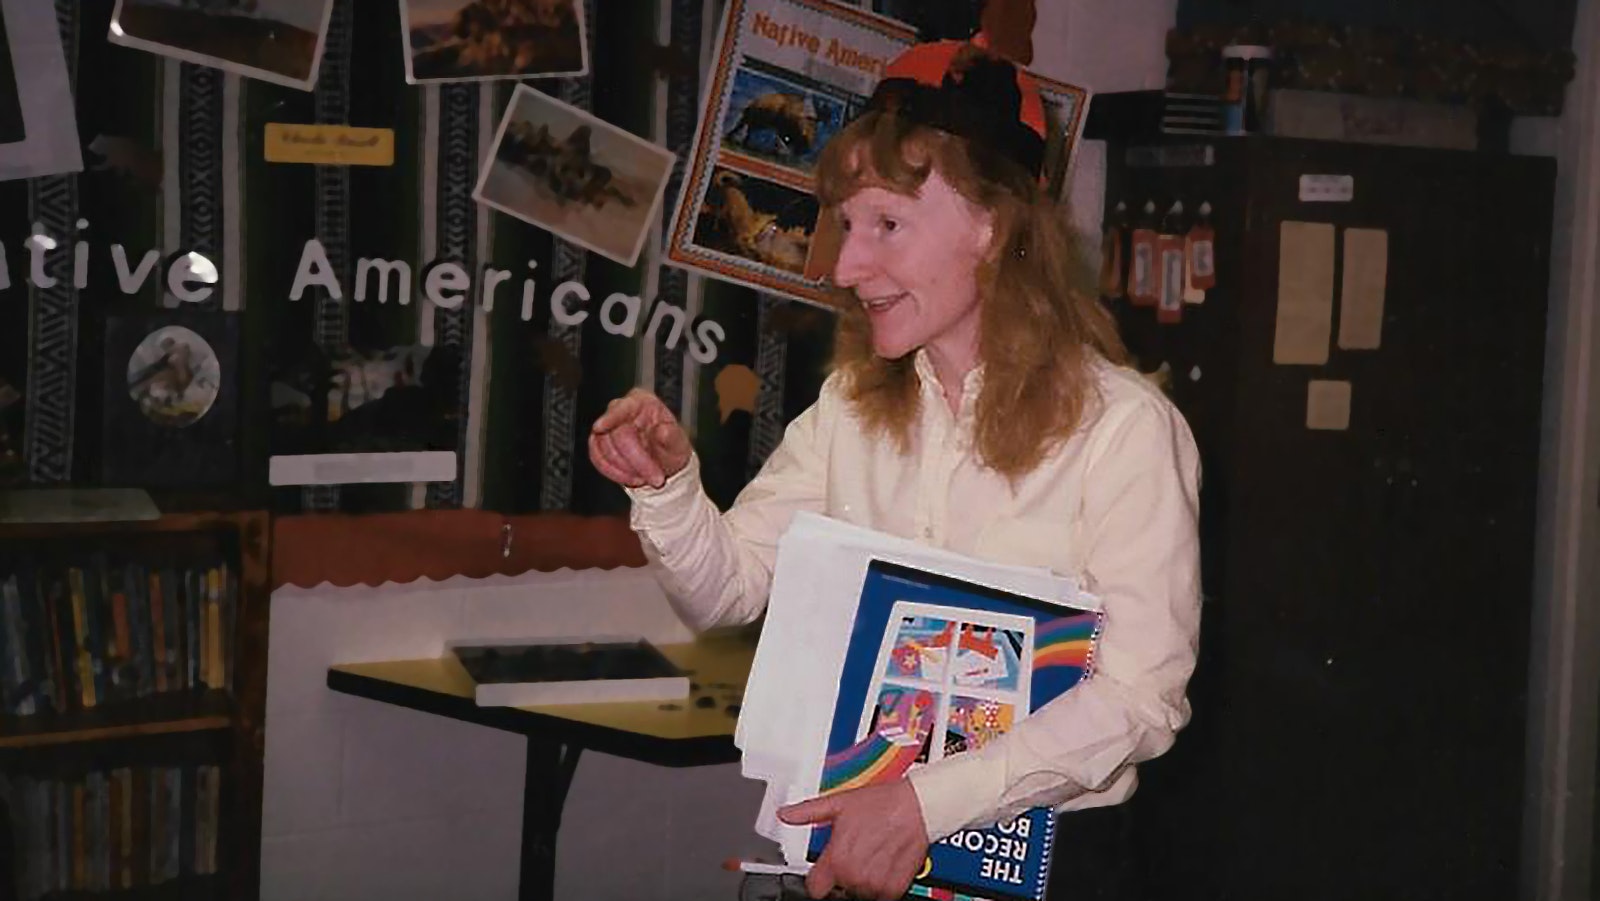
x: 638, y: 442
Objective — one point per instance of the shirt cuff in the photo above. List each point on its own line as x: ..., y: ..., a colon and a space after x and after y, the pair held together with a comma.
x: 958, y: 791
x: 657, y: 507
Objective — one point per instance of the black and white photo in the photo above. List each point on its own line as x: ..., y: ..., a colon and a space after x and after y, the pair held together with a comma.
x: 38, y: 117
x: 566, y: 171
x: 278, y: 41
x: 478, y: 40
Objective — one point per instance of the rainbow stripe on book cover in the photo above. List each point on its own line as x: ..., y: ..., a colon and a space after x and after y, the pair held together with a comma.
x: 932, y: 656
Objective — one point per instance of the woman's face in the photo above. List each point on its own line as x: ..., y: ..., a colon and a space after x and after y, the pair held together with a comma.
x: 912, y: 262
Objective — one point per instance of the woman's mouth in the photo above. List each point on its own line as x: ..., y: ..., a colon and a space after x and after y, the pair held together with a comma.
x: 881, y: 304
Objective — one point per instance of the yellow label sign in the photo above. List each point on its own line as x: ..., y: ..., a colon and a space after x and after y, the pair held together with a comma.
x: 329, y: 145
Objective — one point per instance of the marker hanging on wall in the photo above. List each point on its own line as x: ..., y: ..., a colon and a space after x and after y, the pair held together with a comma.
x: 1144, y: 286
x: 1200, y: 262
x: 1112, y: 286
x: 1170, y: 256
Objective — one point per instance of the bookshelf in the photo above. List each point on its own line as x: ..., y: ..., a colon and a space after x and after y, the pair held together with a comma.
x: 116, y: 744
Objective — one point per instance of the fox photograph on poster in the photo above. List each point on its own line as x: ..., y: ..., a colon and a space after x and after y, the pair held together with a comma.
x: 757, y: 219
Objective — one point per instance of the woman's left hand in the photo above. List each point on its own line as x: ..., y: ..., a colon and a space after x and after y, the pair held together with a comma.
x: 878, y: 844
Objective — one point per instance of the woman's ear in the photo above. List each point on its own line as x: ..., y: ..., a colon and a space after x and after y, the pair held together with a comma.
x: 986, y: 233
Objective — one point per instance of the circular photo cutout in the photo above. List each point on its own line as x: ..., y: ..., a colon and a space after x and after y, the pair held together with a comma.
x: 174, y: 376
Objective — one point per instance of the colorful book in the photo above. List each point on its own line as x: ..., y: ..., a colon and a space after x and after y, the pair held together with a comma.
x: 216, y: 644
x: 82, y: 659
x: 935, y: 667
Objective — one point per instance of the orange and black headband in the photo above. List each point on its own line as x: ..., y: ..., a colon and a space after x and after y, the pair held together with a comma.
x: 983, y: 98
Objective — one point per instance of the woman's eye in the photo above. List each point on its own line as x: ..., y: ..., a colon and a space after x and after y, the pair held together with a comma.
x: 891, y: 225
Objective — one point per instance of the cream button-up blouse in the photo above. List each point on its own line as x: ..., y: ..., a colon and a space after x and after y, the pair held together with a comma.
x: 1116, y: 505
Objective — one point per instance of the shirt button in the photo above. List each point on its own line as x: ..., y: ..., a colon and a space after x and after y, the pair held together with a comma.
x: 927, y: 531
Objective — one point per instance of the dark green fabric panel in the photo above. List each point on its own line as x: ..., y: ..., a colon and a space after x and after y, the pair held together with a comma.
x: 623, y: 96
x: 520, y: 353
x: 117, y: 95
x: 723, y: 443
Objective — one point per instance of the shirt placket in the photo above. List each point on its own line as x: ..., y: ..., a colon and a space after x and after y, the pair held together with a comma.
x: 933, y: 495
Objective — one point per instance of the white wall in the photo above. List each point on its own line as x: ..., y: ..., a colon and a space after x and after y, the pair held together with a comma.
x: 1565, y: 673
x: 1106, y: 48
x: 364, y: 800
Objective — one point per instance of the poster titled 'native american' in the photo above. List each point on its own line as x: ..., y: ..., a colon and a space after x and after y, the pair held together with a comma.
x: 789, y: 74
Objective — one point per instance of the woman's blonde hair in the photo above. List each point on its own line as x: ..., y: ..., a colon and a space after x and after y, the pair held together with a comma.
x: 1041, y: 324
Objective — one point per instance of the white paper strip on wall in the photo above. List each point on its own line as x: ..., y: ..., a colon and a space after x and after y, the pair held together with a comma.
x: 1366, y: 272
x: 1305, y: 293
x: 1328, y: 406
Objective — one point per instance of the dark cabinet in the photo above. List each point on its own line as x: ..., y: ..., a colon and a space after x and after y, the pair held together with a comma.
x: 1360, y: 702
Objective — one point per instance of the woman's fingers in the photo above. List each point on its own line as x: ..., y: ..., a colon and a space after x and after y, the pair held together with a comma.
x: 629, y: 445
x: 609, y: 463
x: 670, y: 438
x: 639, y: 441
x: 626, y: 408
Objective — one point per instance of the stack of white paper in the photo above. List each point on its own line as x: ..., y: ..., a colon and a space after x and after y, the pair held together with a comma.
x: 788, y: 703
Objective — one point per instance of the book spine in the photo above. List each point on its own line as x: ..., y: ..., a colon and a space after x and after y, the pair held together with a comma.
x: 94, y: 616
x: 14, y: 662
x: 216, y: 666
x: 105, y: 652
x: 137, y: 588
x: 194, y: 637
x: 80, y: 816
x: 36, y: 623
x: 60, y: 619
x: 158, y: 631
x: 158, y: 826
x: 61, y: 801
x: 172, y: 606
x: 125, y: 829
x: 230, y: 623
x: 176, y: 822
x: 139, y: 849
x: 83, y: 667
x: 43, y: 829
x: 123, y: 677
x: 102, y: 832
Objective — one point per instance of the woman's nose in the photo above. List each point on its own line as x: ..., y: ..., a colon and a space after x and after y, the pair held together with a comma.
x: 855, y: 262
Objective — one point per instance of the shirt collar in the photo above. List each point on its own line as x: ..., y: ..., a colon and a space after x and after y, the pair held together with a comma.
x: 971, y: 383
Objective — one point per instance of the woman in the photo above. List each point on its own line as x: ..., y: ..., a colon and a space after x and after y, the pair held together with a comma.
x: 977, y: 404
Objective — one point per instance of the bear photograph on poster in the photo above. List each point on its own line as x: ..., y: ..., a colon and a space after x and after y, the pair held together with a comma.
x: 780, y: 120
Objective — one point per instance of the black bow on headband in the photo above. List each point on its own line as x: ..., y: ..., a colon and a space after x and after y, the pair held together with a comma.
x: 981, y: 103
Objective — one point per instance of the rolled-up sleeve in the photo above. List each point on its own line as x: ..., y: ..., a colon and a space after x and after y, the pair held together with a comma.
x: 717, y: 567
x: 1140, y: 539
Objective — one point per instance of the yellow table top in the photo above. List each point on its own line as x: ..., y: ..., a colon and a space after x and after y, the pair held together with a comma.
x: 718, y: 666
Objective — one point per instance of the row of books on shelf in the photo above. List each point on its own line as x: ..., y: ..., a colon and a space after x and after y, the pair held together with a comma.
x: 91, y: 633
x: 109, y: 831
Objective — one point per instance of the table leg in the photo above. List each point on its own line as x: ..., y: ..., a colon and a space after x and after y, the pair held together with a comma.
x: 544, y: 793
